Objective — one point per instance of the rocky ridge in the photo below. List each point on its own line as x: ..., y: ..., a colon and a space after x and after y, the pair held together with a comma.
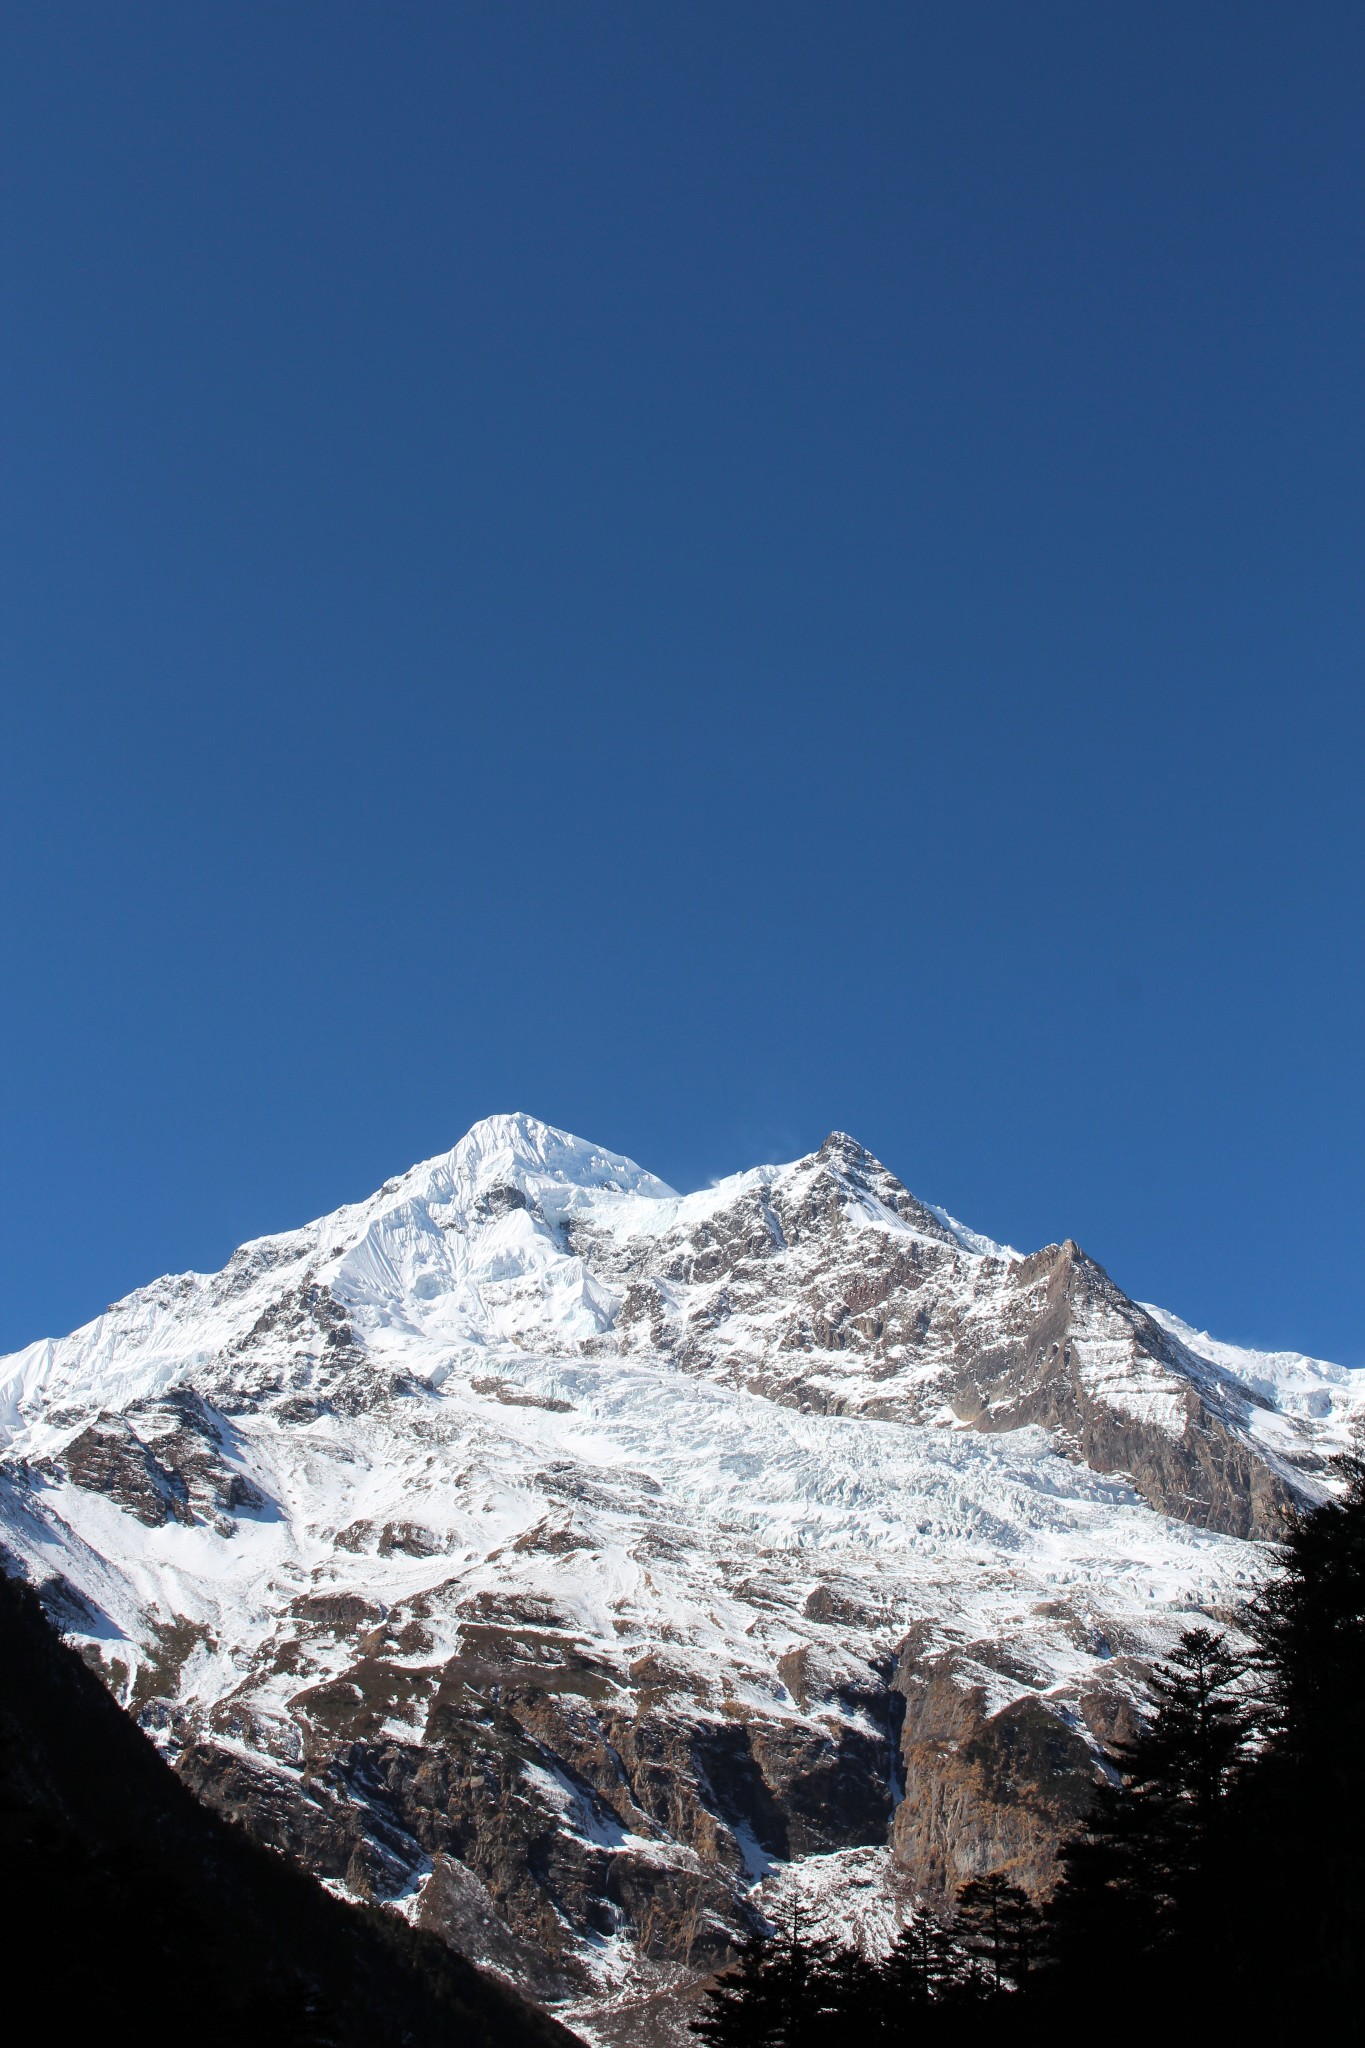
x: 573, y: 1564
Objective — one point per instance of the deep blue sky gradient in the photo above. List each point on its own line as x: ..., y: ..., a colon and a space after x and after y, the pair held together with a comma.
x: 709, y: 572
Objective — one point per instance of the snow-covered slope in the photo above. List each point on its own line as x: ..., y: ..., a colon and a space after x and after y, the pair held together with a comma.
x: 566, y: 1559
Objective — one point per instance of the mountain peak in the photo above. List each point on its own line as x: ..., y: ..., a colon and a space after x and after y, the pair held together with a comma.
x: 514, y: 1135
x: 865, y: 1172
x: 515, y: 1149
x: 844, y: 1150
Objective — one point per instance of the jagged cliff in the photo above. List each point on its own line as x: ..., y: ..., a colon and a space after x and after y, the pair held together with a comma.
x: 572, y: 1563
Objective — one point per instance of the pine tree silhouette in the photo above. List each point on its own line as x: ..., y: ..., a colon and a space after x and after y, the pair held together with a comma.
x: 923, y: 1969
x: 1301, y: 1809
x: 748, y: 2006
x: 996, y: 1925
x: 843, y: 1994
x: 1137, y: 1894
x: 903, y: 1983
x: 774, y: 1996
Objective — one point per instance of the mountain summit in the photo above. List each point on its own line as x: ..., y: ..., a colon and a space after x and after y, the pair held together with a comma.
x: 578, y: 1565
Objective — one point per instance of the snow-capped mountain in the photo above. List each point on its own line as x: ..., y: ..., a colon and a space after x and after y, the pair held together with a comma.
x: 577, y: 1564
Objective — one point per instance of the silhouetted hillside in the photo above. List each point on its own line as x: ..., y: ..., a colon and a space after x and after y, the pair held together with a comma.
x: 128, y: 1908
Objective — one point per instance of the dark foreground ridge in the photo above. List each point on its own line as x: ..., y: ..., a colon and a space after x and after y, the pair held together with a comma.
x: 120, y: 1895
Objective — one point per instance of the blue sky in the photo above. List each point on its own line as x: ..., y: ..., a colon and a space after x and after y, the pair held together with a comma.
x: 710, y: 573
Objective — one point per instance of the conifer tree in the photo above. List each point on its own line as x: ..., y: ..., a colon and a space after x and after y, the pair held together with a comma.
x: 1099, y: 1917
x: 996, y: 1925
x: 844, y: 1996
x: 773, y: 1996
x: 1178, y: 1774
x: 1139, y: 1875
x: 748, y: 2005
x: 921, y: 1970
x: 1302, y: 1808
x: 903, y: 1979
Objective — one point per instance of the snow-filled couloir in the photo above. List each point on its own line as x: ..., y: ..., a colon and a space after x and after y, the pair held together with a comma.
x: 571, y: 1561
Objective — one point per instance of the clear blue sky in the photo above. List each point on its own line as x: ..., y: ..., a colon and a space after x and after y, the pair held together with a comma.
x: 709, y: 572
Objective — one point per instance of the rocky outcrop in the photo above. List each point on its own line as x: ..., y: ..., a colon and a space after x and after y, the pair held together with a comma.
x: 173, y: 1466
x: 110, y: 1458
x: 984, y: 1790
x: 1186, y: 1459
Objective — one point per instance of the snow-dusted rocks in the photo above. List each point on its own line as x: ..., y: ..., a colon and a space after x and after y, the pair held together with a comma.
x: 570, y: 1561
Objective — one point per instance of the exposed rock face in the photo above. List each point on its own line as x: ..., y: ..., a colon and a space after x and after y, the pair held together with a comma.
x: 111, y: 1458
x: 984, y: 1790
x: 171, y: 1467
x: 1207, y: 1472
x: 570, y: 1563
